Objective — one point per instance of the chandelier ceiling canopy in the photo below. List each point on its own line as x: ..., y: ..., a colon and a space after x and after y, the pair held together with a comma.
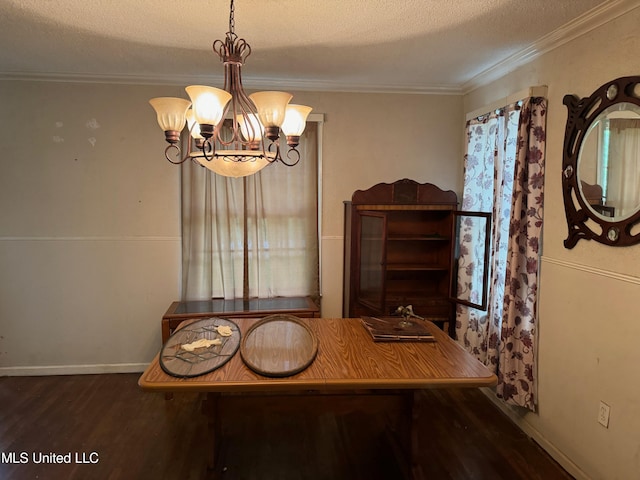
x: 234, y: 134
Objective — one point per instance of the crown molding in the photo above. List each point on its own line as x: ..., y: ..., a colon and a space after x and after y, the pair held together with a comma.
x: 249, y: 83
x: 594, y: 18
x: 110, y: 78
x: 348, y: 87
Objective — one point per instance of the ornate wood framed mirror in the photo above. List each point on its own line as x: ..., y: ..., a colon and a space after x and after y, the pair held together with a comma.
x: 601, y: 165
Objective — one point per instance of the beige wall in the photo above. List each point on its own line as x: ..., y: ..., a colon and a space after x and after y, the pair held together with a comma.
x: 90, y: 231
x: 90, y: 237
x: 588, y: 328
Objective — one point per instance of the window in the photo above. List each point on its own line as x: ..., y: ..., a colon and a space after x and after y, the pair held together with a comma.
x: 255, y: 236
x: 488, y: 187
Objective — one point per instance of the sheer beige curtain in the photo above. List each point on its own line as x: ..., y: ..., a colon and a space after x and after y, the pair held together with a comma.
x: 280, y: 206
x: 623, y: 171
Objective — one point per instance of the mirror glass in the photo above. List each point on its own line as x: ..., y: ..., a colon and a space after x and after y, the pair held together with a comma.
x: 609, y: 162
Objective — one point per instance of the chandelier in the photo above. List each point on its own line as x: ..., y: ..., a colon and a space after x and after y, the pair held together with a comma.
x: 234, y: 135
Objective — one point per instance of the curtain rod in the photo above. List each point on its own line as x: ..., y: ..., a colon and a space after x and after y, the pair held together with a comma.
x: 536, y: 91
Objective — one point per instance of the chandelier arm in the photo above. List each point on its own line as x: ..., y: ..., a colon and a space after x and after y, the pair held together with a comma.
x: 208, y: 148
x: 177, y: 154
x: 219, y: 47
x: 218, y: 136
x: 235, y: 136
x: 248, y: 111
x: 293, y: 155
x: 277, y: 155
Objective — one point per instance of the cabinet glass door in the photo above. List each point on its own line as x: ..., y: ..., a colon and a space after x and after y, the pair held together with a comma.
x: 372, y: 259
x: 470, y: 266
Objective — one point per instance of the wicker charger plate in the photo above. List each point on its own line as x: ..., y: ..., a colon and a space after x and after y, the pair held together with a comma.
x: 279, y: 346
x: 176, y: 361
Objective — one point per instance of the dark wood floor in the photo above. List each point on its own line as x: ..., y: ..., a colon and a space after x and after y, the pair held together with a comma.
x: 138, y: 435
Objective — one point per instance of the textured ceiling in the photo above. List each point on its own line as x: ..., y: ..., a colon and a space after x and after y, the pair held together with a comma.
x: 395, y: 45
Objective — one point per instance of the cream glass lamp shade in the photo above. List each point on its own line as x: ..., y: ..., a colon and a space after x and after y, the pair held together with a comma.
x: 208, y: 103
x: 252, y: 132
x: 271, y: 107
x: 194, y: 127
x: 295, y: 119
x: 171, y: 112
x: 230, y: 168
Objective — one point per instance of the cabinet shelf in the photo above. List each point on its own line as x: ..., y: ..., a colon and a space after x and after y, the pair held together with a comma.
x: 407, y: 267
x: 412, y: 297
x: 418, y: 238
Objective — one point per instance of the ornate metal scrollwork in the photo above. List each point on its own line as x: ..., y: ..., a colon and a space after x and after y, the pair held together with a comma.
x: 586, y: 219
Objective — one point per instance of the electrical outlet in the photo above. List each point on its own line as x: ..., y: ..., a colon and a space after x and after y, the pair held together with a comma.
x: 603, y: 414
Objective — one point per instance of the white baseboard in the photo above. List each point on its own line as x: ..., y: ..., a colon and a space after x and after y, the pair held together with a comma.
x: 72, y: 369
x: 540, y: 439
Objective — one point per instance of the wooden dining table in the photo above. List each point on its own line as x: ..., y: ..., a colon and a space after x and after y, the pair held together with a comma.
x: 349, y: 372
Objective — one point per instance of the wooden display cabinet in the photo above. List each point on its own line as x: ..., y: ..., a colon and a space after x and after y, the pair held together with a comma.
x: 400, y: 249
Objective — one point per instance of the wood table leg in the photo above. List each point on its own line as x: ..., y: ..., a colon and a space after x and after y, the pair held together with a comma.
x: 403, y: 434
x: 415, y: 471
x: 409, y: 435
x: 211, y: 408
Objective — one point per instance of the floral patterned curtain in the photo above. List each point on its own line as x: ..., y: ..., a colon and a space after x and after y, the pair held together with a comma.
x: 497, y: 152
x: 489, y: 167
x: 517, y: 370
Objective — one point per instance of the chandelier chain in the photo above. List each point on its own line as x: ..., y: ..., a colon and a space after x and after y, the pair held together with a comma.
x: 232, y: 22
